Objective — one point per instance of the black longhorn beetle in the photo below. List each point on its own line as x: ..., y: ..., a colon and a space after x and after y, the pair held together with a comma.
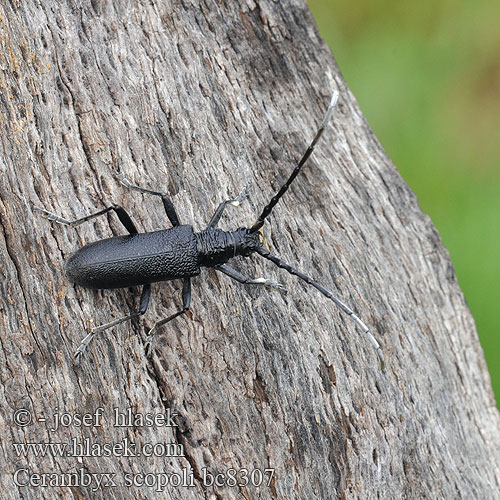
x: 179, y: 253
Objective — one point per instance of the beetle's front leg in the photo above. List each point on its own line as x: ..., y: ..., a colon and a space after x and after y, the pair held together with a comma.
x: 186, y: 304
x: 232, y: 273
x: 220, y: 209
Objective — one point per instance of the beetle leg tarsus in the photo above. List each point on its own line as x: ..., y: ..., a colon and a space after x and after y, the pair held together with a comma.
x: 81, y: 348
x: 167, y: 202
x: 232, y: 273
x: 143, y: 306
x: 237, y: 201
x: 222, y: 206
x: 266, y: 282
x: 186, y: 304
x: 50, y: 216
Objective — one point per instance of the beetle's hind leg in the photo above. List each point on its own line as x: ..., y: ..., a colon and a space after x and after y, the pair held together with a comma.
x: 143, y: 306
x: 186, y: 304
x: 123, y: 216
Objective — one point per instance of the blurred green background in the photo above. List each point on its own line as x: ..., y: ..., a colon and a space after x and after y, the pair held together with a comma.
x: 427, y: 77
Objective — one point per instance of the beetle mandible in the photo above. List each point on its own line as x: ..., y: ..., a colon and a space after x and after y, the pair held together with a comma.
x: 179, y: 253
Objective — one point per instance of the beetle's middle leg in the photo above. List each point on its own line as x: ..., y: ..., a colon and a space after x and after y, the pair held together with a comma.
x: 167, y: 202
x: 186, y: 304
x: 143, y: 306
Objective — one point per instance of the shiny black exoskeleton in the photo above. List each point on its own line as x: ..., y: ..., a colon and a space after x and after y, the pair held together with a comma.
x: 139, y: 259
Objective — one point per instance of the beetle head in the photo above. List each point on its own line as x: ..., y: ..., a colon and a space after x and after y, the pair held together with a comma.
x: 247, y: 242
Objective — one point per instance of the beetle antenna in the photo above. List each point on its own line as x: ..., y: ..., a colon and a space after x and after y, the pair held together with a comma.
x: 326, y: 293
x: 267, y: 210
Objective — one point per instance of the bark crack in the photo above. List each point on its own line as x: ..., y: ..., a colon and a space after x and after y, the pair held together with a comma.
x: 179, y: 434
x: 17, y: 267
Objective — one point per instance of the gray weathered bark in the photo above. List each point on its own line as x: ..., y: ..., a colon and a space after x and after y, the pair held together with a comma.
x: 200, y: 100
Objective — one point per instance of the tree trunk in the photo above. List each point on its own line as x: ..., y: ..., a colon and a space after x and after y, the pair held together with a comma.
x: 201, y: 101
